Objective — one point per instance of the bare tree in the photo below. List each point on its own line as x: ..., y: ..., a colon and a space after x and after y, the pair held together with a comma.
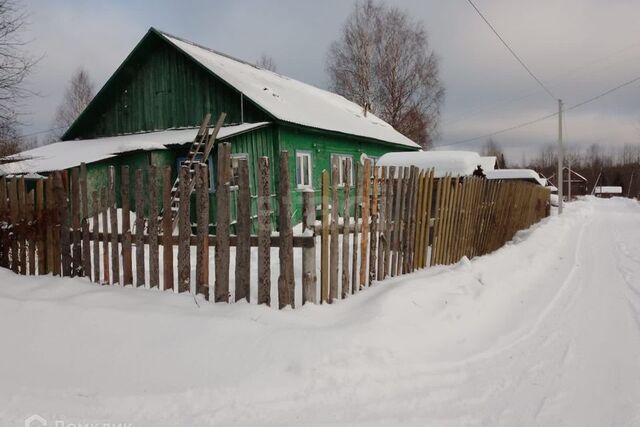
x: 383, y: 62
x: 267, y: 62
x: 15, y: 66
x: 76, y: 98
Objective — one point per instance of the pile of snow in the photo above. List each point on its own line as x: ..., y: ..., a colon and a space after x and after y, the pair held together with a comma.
x: 68, y: 154
x: 608, y: 190
x: 455, y: 163
x: 545, y: 331
x: 528, y: 175
x: 291, y: 100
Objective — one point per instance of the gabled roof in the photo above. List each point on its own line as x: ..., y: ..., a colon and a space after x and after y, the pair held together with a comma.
x: 290, y: 100
x: 68, y: 154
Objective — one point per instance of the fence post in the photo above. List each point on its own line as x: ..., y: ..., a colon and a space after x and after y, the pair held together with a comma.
x: 140, y: 273
x: 154, y: 267
x: 75, y: 222
x: 127, y: 267
x: 31, y: 235
x: 222, y: 224
x: 21, y: 229
x: 202, y: 245
x: 309, y: 253
x: 167, y: 231
x: 13, y: 218
x: 105, y: 236
x: 243, y: 246
x: 382, y: 220
x: 324, y: 239
x: 286, y: 280
x: 357, y: 212
x: 96, y: 237
x: 113, y: 221
x: 334, y: 249
x: 264, y: 232
x: 388, y: 232
x: 346, y: 219
x: 373, y: 238
x: 4, y: 223
x: 364, y: 241
x: 184, y: 232
x: 63, y: 212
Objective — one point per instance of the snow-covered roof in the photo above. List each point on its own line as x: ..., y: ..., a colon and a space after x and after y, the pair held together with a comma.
x: 608, y: 189
x: 460, y: 163
x: 517, y: 174
x: 68, y: 154
x: 291, y: 100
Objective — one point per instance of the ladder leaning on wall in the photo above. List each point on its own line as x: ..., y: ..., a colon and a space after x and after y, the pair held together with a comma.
x: 198, y: 153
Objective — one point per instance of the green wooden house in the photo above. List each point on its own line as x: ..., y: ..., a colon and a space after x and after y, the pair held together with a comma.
x: 148, y: 112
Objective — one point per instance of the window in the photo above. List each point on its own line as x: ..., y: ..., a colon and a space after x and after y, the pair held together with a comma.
x: 212, y: 181
x: 303, y: 169
x: 235, y: 175
x: 343, y: 160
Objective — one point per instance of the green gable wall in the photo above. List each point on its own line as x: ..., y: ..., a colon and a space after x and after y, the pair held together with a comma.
x: 159, y: 87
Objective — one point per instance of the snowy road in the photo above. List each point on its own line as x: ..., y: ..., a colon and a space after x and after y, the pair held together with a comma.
x: 544, y: 332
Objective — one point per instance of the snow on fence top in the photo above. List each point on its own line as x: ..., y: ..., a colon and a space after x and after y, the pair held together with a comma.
x: 461, y: 163
x: 608, y: 190
x: 68, y: 154
x: 291, y: 100
x: 518, y: 174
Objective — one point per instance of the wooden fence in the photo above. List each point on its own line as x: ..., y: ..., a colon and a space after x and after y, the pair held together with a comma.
x: 393, y: 221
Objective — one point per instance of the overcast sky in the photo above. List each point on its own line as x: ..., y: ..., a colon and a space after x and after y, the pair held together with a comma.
x: 577, y: 47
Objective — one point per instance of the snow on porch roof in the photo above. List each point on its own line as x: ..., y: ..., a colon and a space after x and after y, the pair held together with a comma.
x: 291, y: 100
x: 461, y: 163
x: 517, y: 174
x: 68, y: 154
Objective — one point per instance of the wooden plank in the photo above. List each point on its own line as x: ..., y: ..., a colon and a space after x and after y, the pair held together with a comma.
x: 382, y: 221
x: 50, y: 219
x: 264, y: 232
x: 309, y: 254
x: 422, y: 212
x: 418, y: 220
x: 167, y: 231
x: 334, y: 248
x: 364, y: 241
x: 346, y: 219
x: 84, y: 221
x: 324, y: 239
x: 388, y: 234
x: 41, y: 224
x: 22, y: 226
x: 286, y: 280
x: 403, y: 220
x: 437, y: 221
x: 105, y: 238
x: 397, y: 212
x: 95, y: 238
x: 411, y: 225
x: 63, y: 214
x: 222, y: 224
x: 184, y: 231
x: 202, y: 219
x: 243, y: 249
x: 14, y: 215
x: 373, y: 236
x: 152, y: 229
x: 357, y: 213
x: 5, y: 245
x: 31, y: 234
x: 113, y: 222
x: 140, y: 250
x: 75, y: 222
x: 127, y: 267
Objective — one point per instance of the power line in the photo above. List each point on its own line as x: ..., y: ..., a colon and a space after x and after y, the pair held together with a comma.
x: 515, y: 55
x: 548, y: 116
x: 43, y: 131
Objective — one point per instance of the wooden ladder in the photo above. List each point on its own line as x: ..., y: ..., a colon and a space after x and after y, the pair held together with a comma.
x: 198, y: 153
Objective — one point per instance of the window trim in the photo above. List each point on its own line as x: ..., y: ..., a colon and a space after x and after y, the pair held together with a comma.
x: 341, y: 157
x: 299, y: 155
x: 233, y: 156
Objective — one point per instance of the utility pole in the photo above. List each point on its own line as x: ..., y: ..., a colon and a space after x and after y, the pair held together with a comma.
x: 560, y: 157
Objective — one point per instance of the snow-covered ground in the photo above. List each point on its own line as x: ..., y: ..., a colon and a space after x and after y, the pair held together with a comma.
x: 544, y: 332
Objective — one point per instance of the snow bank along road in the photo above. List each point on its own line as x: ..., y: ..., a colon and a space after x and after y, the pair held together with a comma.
x: 545, y: 331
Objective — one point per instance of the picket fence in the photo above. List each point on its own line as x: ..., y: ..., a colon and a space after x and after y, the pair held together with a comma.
x: 392, y: 221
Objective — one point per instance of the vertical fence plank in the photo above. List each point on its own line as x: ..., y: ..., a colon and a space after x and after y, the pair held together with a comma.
x: 154, y: 267
x: 364, y: 241
x: 388, y: 233
x: 264, y: 232
x: 346, y: 219
x: 202, y: 242
x: 31, y: 235
x: 75, y: 222
x: 50, y: 219
x: 357, y: 213
x: 417, y: 213
x: 373, y: 237
x: 4, y: 258
x: 95, y: 237
x: 222, y: 225
x: 127, y: 267
x: 395, y: 232
x: 63, y: 213
x: 413, y: 195
x: 184, y: 232
x: 167, y: 231
x: 139, y: 193
x: 309, y: 253
x: 437, y: 216
x: 403, y: 219
x: 22, y: 222
x: 14, y: 215
x: 382, y: 221
x: 113, y: 222
x: 334, y: 249
x: 243, y: 247
x: 324, y: 239
x: 286, y: 280
x: 84, y: 218
x: 105, y: 236
x: 41, y: 220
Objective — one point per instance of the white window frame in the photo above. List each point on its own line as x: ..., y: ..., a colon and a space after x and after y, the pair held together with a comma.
x: 342, y: 159
x: 236, y: 156
x: 300, y: 173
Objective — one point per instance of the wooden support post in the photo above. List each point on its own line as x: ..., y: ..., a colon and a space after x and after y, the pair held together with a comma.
x: 140, y: 252
x: 22, y: 225
x: 154, y: 252
x: 286, y: 280
x: 41, y: 221
x: 357, y: 214
x: 14, y: 218
x: 184, y: 231
x: 31, y: 235
x: 324, y: 239
x: 105, y: 238
x: 202, y: 220
x: 388, y: 233
x: 75, y: 222
x: 94, y: 238
x: 382, y: 221
x: 334, y: 248
x: 222, y: 224
x: 63, y: 213
x: 264, y: 232
x: 113, y: 221
x: 397, y: 213
x: 364, y: 243
x: 127, y: 267
x: 437, y: 216
x: 309, y: 253
x: 346, y: 219
x: 167, y: 231
x: 243, y: 248
x: 373, y: 250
